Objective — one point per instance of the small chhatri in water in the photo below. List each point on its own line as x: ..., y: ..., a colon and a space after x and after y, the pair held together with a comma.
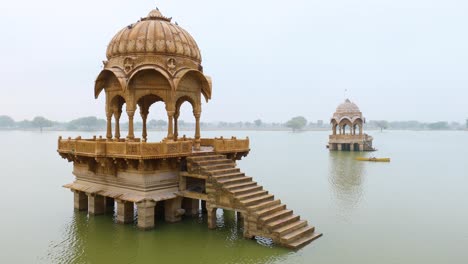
x: 156, y: 61
x: 349, y: 122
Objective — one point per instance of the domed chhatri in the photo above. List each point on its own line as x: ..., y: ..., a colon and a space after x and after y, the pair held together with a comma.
x: 152, y: 61
x: 155, y: 35
x: 348, y: 118
x: 156, y: 61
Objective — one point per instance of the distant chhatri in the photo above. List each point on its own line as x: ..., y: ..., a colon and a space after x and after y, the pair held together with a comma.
x: 348, y: 119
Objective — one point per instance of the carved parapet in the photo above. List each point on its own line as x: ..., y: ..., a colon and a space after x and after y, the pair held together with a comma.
x: 126, y: 149
x: 221, y: 145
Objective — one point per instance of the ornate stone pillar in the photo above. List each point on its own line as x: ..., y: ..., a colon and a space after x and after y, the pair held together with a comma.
x: 197, y: 130
x: 176, y: 125
x: 117, y: 114
x: 109, y: 125
x: 360, y: 130
x: 170, y: 127
x: 146, y: 214
x: 80, y: 200
x: 131, y: 134
x: 144, y: 115
x: 340, y: 146
x: 125, y: 212
x: 96, y: 204
x: 351, y: 147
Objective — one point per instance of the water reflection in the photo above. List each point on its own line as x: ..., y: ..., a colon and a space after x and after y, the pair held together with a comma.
x: 100, y: 240
x: 346, y: 177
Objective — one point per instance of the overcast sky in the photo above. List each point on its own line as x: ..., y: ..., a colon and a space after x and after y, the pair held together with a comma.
x: 398, y: 59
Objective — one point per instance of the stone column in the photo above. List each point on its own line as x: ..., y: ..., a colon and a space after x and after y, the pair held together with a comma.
x: 144, y: 116
x: 211, y: 217
x: 176, y: 125
x: 109, y: 202
x: 80, y: 200
x: 190, y: 206
x: 146, y: 214
x: 361, y: 147
x: 351, y: 147
x: 109, y: 125
x: 170, y: 127
x: 125, y: 212
x: 340, y: 146
x: 172, y: 210
x: 117, y: 114
x: 197, y: 130
x: 96, y: 204
x: 131, y: 134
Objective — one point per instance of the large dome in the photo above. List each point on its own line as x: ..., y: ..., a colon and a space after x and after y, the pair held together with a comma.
x: 347, y: 107
x: 154, y: 34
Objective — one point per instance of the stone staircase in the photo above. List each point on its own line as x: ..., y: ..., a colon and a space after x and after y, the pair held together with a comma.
x: 263, y: 214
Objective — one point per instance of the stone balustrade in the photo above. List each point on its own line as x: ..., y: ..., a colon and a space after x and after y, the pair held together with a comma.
x: 363, y: 137
x: 135, y: 149
x: 124, y: 149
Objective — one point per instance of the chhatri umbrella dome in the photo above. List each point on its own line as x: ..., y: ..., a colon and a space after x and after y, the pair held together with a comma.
x: 154, y: 34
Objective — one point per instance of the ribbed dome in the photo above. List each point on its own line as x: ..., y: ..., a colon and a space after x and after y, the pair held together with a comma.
x: 347, y: 107
x: 154, y: 34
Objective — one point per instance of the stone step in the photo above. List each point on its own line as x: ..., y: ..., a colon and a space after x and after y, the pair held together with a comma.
x: 222, y: 171
x: 297, y: 234
x: 267, y: 218
x: 229, y: 175
x: 283, y: 221
x: 234, y: 180
x: 296, y: 244
x: 214, y: 162
x: 250, y: 195
x: 258, y: 200
x: 271, y: 210
x: 264, y: 205
x: 212, y: 167
x: 246, y: 190
x: 241, y: 185
x: 290, y: 227
x: 205, y: 157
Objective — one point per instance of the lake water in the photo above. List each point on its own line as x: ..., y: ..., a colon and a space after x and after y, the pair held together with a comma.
x: 412, y: 210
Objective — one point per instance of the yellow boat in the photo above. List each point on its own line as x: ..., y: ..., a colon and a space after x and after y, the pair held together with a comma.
x: 373, y: 159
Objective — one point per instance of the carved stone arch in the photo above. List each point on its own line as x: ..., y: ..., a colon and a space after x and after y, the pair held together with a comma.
x: 105, y: 76
x: 357, y: 121
x: 187, y: 98
x: 158, y: 69
x: 117, y: 100
x: 145, y: 101
x: 205, y: 81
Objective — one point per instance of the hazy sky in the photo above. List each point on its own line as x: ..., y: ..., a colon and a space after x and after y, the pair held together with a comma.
x: 398, y: 59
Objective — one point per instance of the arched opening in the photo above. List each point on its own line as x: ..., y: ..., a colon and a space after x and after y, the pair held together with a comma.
x: 357, y: 125
x: 144, y: 104
x: 115, y: 109
x: 185, y: 110
x: 149, y: 85
x: 334, y: 126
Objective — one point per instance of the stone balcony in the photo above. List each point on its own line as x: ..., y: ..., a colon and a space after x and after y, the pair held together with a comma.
x: 349, y: 138
x: 136, y: 149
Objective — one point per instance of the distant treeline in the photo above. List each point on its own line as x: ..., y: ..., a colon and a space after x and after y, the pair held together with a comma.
x: 296, y: 123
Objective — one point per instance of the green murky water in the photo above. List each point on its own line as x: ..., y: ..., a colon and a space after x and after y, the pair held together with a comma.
x: 412, y: 210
